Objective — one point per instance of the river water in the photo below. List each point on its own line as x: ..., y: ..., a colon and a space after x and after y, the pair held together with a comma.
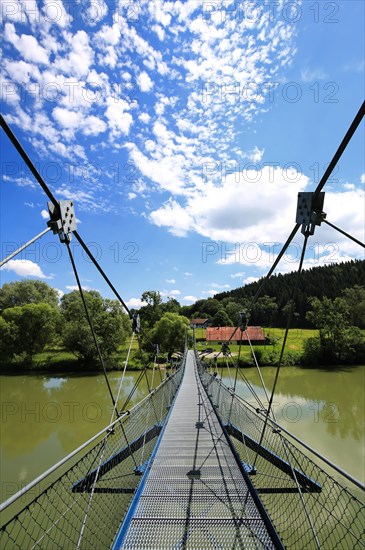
x: 44, y: 417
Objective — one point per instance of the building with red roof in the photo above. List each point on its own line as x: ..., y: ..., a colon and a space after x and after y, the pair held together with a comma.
x: 223, y: 334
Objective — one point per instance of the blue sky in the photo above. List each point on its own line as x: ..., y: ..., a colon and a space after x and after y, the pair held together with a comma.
x: 183, y: 131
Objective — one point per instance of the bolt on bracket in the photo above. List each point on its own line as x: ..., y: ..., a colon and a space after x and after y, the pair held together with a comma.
x: 310, y: 211
x: 63, y: 219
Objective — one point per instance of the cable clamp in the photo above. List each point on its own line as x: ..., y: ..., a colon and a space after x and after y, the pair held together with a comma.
x: 63, y: 219
x: 136, y: 323
x: 310, y: 211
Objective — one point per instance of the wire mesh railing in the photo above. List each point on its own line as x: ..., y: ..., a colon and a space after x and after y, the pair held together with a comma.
x: 81, y: 502
x: 310, y: 503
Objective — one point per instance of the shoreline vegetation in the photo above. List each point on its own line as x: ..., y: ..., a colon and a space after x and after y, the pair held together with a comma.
x: 58, y: 361
x: 41, y: 331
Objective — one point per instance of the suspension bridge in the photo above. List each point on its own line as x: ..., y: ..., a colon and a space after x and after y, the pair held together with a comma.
x: 192, y: 465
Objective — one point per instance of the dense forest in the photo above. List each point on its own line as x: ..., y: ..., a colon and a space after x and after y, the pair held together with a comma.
x: 272, y: 308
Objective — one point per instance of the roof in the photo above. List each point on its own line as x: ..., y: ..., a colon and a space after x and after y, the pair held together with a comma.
x: 198, y: 321
x: 225, y: 333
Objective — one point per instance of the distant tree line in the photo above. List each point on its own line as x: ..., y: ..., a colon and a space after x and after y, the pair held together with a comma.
x: 331, y: 298
x: 272, y: 308
x: 33, y: 318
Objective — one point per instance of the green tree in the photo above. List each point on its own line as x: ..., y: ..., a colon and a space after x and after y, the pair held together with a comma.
x: 35, y: 327
x: 169, y: 333
x: 153, y: 311
x: 25, y: 292
x: 111, y: 325
x: 338, y: 340
x: 233, y: 310
x: 210, y: 307
x: 355, y: 299
x: 330, y: 317
x: 171, y: 306
x: 221, y: 319
x: 8, y: 338
x: 265, y: 308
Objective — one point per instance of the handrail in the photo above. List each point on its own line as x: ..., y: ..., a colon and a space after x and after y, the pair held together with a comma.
x: 348, y: 476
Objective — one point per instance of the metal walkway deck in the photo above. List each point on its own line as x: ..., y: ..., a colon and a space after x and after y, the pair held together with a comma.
x: 194, y: 494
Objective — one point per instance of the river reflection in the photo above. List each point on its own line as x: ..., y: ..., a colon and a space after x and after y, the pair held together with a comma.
x: 326, y: 409
x: 43, y: 418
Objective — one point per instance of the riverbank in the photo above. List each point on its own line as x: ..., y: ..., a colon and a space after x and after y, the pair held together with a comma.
x: 58, y: 361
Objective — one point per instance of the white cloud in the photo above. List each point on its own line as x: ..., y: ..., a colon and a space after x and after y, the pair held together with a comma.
x: 169, y: 293
x: 144, y: 117
x: 240, y: 209
x: 55, y: 12
x: 27, y: 45
x: 216, y: 285
x: 310, y: 75
x: 67, y: 118
x: 131, y: 196
x: 80, y: 56
x: 45, y: 214
x: 135, y: 303
x: 71, y: 121
x: 95, y: 12
x: 256, y: 154
x: 189, y: 299
x: 166, y: 171
x: 159, y: 31
x: 210, y: 292
x: 25, y: 268
x: 170, y: 213
x: 237, y: 275
x: 362, y: 178
x: 349, y: 186
x: 249, y: 280
x: 144, y: 82
x: 171, y: 281
x: 119, y: 119
x: 187, y: 274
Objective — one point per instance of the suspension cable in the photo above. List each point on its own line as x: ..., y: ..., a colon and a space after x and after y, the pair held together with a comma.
x: 101, y: 271
x: 284, y: 343
x: 349, y: 134
x: 90, y: 322
x: 24, y: 246
x: 249, y: 385
x: 258, y: 368
x: 14, y: 140
x: 343, y: 232
x: 26, y: 159
x: 344, y: 143
x: 115, y: 409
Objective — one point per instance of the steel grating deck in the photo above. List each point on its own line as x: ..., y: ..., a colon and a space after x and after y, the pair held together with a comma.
x: 194, y: 494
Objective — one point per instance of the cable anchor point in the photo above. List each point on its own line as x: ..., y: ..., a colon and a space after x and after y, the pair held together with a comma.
x: 310, y: 211
x: 63, y: 219
x: 136, y: 323
x: 243, y: 320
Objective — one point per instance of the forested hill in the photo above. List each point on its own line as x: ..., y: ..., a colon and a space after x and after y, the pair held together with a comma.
x: 329, y: 280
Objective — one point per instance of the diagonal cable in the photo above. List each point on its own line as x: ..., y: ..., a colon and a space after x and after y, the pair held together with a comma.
x: 284, y: 343
x: 90, y: 322
x: 343, y: 232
